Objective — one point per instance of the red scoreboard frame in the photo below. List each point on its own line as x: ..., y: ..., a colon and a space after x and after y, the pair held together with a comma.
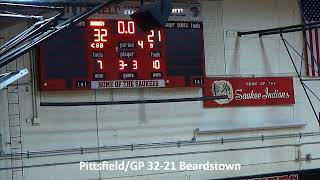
x: 105, y: 53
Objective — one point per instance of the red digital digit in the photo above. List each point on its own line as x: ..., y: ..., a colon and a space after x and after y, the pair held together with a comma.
x: 126, y: 29
x: 104, y: 35
x: 122, y: 65
x: 150, y: 36
x: 121, y: 27
x: 141, y: 44
x: 135, y: 64
x: 96, y: 35
x: 159, y: 35
x: 131, y: 27
x: 100, y: 35
x: 156, y: 64
x: 100, y: 64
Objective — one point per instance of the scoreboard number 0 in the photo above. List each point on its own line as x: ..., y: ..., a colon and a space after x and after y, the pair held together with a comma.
x: 122, y: 27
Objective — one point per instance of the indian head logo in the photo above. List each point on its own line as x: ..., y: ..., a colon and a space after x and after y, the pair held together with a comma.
x: 222, y: 88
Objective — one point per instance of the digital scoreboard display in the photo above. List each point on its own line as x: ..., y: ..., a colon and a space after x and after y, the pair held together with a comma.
x: 106, y: 53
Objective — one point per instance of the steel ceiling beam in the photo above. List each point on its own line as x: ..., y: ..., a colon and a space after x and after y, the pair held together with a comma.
x: 35, y: 28
x: 155, y: 101
x: 39, y: 36
x: 15, y: 5
x: 10, y: 15
x: 281, y: 30
x: 8, y: 78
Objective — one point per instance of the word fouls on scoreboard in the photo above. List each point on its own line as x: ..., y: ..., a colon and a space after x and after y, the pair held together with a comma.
x: 120, y: 44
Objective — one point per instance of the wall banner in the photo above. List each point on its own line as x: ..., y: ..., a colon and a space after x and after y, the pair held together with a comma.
x: 249, y: 91
x: 310, y: 174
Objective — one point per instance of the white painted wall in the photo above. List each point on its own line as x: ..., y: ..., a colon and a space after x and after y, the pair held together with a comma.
x: 226, y: 55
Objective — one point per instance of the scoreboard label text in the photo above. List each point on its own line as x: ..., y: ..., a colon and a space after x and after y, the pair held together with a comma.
x: 127, y: 84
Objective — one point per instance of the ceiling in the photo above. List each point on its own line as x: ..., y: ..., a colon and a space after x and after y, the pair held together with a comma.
x: 8, y: 22
x: 76, y: 2
x: 38, y: 7
x: 8, y: 19
x: 34, y: 7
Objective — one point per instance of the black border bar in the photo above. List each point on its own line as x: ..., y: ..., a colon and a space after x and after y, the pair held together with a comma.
x: 157, y: 101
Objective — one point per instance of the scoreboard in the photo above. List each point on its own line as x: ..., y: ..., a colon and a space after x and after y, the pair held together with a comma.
x: 109, y: 53
x: 129, y: 55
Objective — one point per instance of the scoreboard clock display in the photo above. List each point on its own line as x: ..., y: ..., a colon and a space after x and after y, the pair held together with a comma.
x: 107, y: 53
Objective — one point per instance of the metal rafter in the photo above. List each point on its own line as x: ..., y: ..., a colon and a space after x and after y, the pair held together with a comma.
x: 15, y: 5
x: 300, y: 79
x: 282, y: 30
x: 22, y: 45
x: 289, y: 29
x: 10, y: 15
x: 155, y: 101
